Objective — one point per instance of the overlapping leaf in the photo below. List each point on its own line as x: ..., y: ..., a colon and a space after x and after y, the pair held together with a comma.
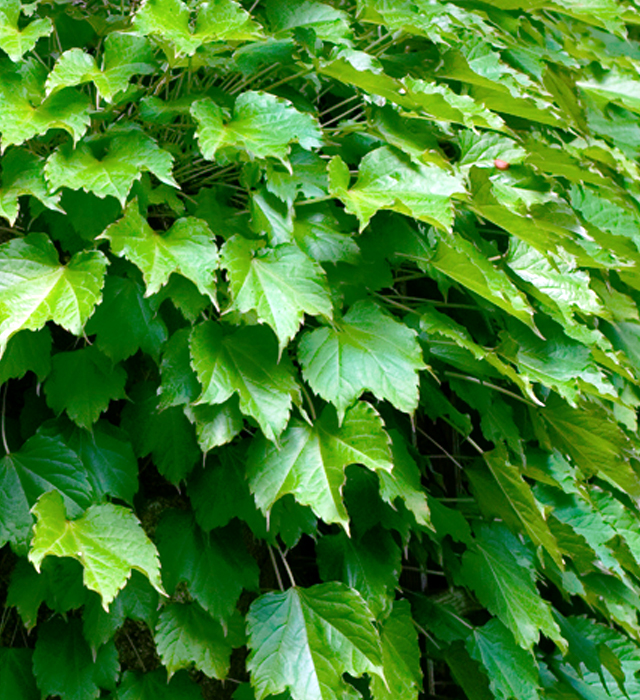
x: 36, y: 288
x: 107, y: 540
x: 311, y: 460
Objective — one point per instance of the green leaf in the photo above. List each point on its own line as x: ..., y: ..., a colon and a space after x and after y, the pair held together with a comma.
x: 325, y: 630
x: 328, y: 23
x: 318, y: 234
x: 156, y: 686
x: 137, y: 601
x: 245, y: 363
x: 27, y: 351
x: 166, y: 435
x: 400, y: 657
x: 81, y: 675
x: 125, y: 55
x: 594, y: 441
x: 519, y: 497
x: 225, y: 20
x: 311, y: 460
x: 22, y: 175
x: 369, y: 564
x: 36, y: 288
x: 125, y: 321
x: 82, y: 383
x: 16, y: 675
x: 216, y: 425
x: 217, y: 20
x: 262, y: 126
x: 214, y: 565
x: 129, y: 153
x: 555, y: 278
x: 500, y: 571
x: 511, y: 670
x: 107, y: 540
x: 107, y: 457
x: 58, y: 584
x: 389, y: 180
x: 26, y: 113
x: 16, y: 41
x: 404, y: 482
x: 42, y: 463
x: 220, y: 492
x: 179, y: 383
x: 366, y: 350
x: 462, y: 261
x: 281, y: 284
x: 187, y: 636
x: 187, y: 248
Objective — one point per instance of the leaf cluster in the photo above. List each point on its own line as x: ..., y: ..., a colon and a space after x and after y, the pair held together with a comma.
x: 319, y: 328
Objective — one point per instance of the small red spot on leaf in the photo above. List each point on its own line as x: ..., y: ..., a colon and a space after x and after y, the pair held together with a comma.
x: 501, y: 164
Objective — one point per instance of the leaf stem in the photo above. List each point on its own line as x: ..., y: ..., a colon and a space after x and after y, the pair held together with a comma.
x: 2, y: 426
x: 440, y: 447
x: 286, y: 566
x: 475, y: 380
x: 275, y: 567
x: 312, y: 409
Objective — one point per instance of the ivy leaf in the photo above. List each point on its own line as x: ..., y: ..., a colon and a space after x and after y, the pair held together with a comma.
x: 187, y: 248
x: 216, y: 425
x: 130, y: 152
x: 166, y: 434
x: 511, y: 670
x: 370, y: 564
x: 14, y: 40
x: 27, y: 351
x: 328, y: 23
x: 366, y: 350
x: 42, y: 463
x: 555, y: 278
x: 156, y: 686
x: 400, y: 657
x: 244, y: 362
x: 107, y: 540
x: 596, y: 443
x: 500, y: 571
x: 25, y: 112
x: 137, y: 601
x: 404, y: 482
x: 125, y: 321
x: 327, y: 627
x: 215, y: 566
x: 125, y: 55
x: 16, y: 674
x: 225, y: 20
x: 179, y: 384
x: 187, y: 636
x: 58, y: 584
x: 460, y: 260
x: 520, y: 499
x: 22, y: 175
x: 168, y: 19
x: 220, y: 492
x: 82, y: 383
x: 217, y: 20
x: 262, y: 126
x: 36, y: 288
x: 107, y: 457
x: 281, y: 284
x: 389, y: 180
x: 82, y: 675
x: 311, y: 460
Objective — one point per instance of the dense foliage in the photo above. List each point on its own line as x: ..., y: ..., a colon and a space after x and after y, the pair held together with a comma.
x: 321, y: 349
